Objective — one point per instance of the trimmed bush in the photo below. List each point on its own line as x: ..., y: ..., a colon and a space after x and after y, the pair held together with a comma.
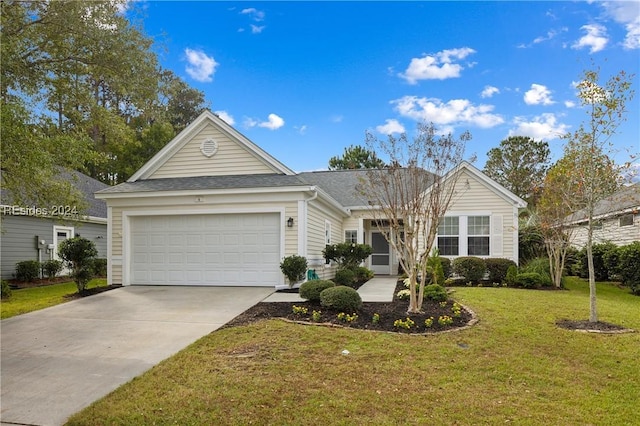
x: 512, y: 273
x: 100, y: 267
x: 311, y: 290
x: 435, y: 292
x: 79, y: 253
x: 345, y: 277
x: 470, y: 268
x: 27, y: 270
x: 540, y: 266
x: 571, y: 261
x: 599, y: 265
x: 529, y: 280
x: 347, y: 255
x: 446, y: 266
x: 6, y: 290
x: 498, y: 268
x: 294, y: 267
x: 629, y: 266
x: 52, y: 268
x: 341, y: 298
x: 363, y: 274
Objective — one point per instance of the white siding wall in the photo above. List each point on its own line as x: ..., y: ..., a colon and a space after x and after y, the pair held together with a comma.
x: 231, y: 158
x: 611, y: 232
x: 318, y: 215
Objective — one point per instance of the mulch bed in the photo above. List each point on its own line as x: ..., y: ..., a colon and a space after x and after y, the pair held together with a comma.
x: 592, y: 327
x: 92, y: 291
x: 387, y: 312
x: 15, y: 284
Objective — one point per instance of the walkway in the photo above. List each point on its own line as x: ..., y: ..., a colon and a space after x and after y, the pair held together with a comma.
x: 377, y: 289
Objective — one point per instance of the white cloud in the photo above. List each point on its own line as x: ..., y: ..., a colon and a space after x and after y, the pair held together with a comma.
x: 256, y: 15
x: 301, y: 129
x: 570, y: 104
x: 538, y: 95
x: 390, y: 127
x: 454, y: 112
x: 626, y: 13
x: 336, y: 118
x: 489, y: 91
x: 257, y: 29
x: 545, y: 126
x: 226, y: 117
x: 201, y: 67
x: 439, y: 66
x: 596, y: 38
x: 274, y: 122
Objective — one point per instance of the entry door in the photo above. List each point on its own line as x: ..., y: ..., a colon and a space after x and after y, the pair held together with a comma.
x: 380, y: 255
x: 61, y: 233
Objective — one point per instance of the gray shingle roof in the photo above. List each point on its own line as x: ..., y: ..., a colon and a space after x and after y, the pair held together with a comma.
x: 627, y: 198
x: 339, y: 184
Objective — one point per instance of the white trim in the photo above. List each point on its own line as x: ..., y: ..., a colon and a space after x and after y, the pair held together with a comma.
x: 71, y: 234
x: 515, y: 236
x: 302, y: 228
x: 109, y: 245
x: 203, y: 192
x: 360, y: 231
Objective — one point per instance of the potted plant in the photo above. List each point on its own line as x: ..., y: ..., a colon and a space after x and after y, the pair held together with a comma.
x: 294, y: 268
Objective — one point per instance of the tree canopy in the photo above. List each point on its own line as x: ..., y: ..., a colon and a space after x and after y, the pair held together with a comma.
x: 356, y: 157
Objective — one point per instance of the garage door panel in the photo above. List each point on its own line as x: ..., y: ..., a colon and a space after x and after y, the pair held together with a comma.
x: 226, y: 249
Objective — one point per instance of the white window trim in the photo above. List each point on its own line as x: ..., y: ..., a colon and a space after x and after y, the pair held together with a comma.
x: 463, y: 234
x: 350, y: 241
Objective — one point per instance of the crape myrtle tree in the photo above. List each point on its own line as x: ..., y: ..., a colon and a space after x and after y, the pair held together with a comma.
x: 409, y: 197
x: 590, y: 173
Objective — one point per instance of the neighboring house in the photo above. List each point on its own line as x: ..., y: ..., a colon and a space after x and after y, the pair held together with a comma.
x: 213, y: 208
x: 34, y: 232
x: 617, y: 219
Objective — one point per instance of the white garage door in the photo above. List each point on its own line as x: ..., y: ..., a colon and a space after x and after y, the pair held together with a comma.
x: 221, y: 249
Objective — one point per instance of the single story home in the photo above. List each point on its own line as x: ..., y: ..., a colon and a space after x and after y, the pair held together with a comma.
x: 34, y: 232
x: 213, y: 208
x: 617, y: 219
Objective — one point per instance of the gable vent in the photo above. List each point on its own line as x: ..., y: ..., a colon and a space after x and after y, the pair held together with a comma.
x: 209, y: 147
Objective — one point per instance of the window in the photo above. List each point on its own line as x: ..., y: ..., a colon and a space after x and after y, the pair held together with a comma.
x: 351, y: 236
x: 478, y: 235
x: 448, y: 232
x: 626, y: 220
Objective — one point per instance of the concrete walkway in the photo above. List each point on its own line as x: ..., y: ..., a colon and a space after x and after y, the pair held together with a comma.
x: 377, y: 289
x: 59, y: 360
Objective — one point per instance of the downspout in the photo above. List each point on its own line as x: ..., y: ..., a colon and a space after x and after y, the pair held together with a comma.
x: 304, y: 228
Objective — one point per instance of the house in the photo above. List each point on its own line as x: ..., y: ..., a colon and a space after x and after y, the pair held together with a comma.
x: 34, y: 232
x: 213, y: 208
x: 617, y: 219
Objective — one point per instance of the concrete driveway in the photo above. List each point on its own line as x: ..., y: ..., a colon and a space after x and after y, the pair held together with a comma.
x: 59, y: 360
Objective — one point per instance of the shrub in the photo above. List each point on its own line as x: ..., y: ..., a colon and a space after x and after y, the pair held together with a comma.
x: 363, y: 274
x: 600, y: 269
x: 512, y: 273
x: 345, y: 277
x: 6, y: 290
x: 529, y: 280
x: 434, y: 268
x: 52, y: 268
x: 470, y: 268
x: 455, y: 281
x: 341, y: 298
x: 498, y: 268
x: 435, y: 292
x: 611, y: 260
x: 530, y: 243
x: 27, y: 270
x: 347, y: 255
x: 79, y: 253
x: 629, y: 266
x: 446, y: 266
x: 311, y: 290
x: 571, y: 261
x: 540, y: 266
x: 100, y: 267
x: 294, y: 267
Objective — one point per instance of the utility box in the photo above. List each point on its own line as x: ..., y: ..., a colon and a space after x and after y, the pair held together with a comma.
x: 40, y: 243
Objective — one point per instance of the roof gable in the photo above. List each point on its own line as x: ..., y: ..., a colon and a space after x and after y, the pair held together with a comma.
x: 209, y: 147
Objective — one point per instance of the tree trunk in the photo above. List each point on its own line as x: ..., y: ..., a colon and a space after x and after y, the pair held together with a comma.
x: 593, y: 309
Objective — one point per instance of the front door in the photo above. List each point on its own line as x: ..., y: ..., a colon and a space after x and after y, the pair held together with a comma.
x: 380, y: 255
x: 61, y: 233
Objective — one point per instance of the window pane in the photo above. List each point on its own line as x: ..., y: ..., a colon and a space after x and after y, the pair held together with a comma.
x: 626, y: 220
x: 478, y: 246
x: 478, y: 225
x: 448, y: 246
x: 448, y: 226
x: 351, y: 236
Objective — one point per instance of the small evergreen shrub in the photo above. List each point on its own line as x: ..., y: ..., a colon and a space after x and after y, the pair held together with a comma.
x: 341, y: 298
x: 435, y: 272
x: 52, y: 268
x: 571, y: 261
x: 294, y: 267
x: 78, y: 253
x: 100, y: 267
x: 600, y: 268
x: 347, y: 255
x: 311, y: 290
x: 446, y: 266
x: 470, y: 268
x: 27, y: 270
x: 345, y: 277
x: 629, y: 266
x: 435, y: 292
x: 6, y: 290
x: 512, y: 273
x: 540, y: 265
x: 363, y: 274
x: 529, y: 280
x: 455, y: 282
x: 498, y: 268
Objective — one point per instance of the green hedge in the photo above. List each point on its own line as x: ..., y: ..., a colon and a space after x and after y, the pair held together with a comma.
x: 498, y: 268
x: 341, y: 298
x: 311, y: 290
x: 470, y: 268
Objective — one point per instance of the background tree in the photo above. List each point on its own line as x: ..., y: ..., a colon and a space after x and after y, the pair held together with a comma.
x: 412, y: 195
x: 519, y: 164
x: 356, y: 157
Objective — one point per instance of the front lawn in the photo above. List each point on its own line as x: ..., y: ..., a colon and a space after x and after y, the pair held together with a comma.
x: 35, y: 298
x: 515, y: 366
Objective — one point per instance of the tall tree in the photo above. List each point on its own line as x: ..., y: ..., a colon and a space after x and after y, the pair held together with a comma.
x: 356, y: 157
x: 409, y: 198
x: 519, y: 164
x: 590, y: 172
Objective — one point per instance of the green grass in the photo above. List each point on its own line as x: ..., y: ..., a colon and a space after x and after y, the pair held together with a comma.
x: 32, y: 299
x: 515, y: 366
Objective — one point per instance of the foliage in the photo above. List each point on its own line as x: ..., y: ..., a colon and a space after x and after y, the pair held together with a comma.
x: 435, y: 292
x: 529, y: 280
x: 602, y: 268
x: 52, y: 268
x: 99, y: 267
x: 347, y: 255
x: 294, y: 267
x: 345, y: 277
x: 299, y: 310
x: 530, y: 243
x: 572, y: 260
x: 341, y: 298
x: 356, y: 157
x: 512, y: 273
x: 629, y: 266
x: 344, y: 317
x: 406, y: 323
x: 6, y: 290
x: 435, y: 269
x: 519, y: 164
x: 446, y: 266
x: 470, y: 267
x: 403, y: 294
x: 27, y: 270
x: 540, y: 266
x: 310, y: 290
x: 498, y: 268
x: 363, y: 274
x: 410, y: 196
x: 78, y: 253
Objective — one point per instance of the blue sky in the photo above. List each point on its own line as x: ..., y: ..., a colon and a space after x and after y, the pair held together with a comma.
x: 305, y: 80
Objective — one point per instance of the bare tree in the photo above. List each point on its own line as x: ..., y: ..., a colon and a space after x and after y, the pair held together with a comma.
x: 411, y: 195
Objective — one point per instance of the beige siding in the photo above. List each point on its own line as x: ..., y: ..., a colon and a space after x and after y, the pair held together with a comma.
x: 317, y: 217
x: 230, y: 159
x: 291, y: 234
x: 611, y: 231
